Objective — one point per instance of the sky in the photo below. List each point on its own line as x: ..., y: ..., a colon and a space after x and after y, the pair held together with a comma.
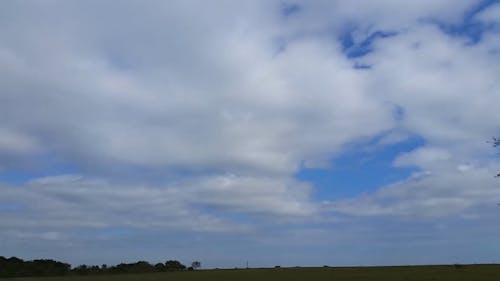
x: 292, y: 133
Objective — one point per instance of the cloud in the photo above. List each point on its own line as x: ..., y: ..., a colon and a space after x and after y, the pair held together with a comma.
x: 490, y: 15
x: 421, y: 64
x: 16, y: 143
x: 183, y: 116
x: 453, y: 191
x: 168, y: 95
x: 72, y: 201
x: 185, y: 100
x: 446, y: 89
x: 66, y: 202
x: 264, y: 196
x: 367, y: 17
x: 422, y: 157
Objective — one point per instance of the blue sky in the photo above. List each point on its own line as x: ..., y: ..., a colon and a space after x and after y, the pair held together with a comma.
x: 275, y: 132
x: 363, y: 167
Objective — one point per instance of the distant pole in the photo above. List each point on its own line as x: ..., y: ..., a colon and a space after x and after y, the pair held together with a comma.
x: 247, y: 264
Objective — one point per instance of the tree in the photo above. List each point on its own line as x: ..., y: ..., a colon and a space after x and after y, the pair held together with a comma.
x: 173, y: 265
x: 196, y: 264
x: 160, y: 267
x: 81, y: 269
x: 15, y: 267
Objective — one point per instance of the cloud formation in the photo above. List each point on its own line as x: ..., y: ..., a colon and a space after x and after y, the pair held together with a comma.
x: 184, y: 116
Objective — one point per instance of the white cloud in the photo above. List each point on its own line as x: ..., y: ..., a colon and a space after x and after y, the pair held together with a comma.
x: 72, y: 201
x: 220, y: 105
x: 490, y: 15
x: 446, y: 89
x: 17, y: 143
x: 423, y: 157
x: 212, y: 96
x: 264, y: 196
x: 69, y: 202
x: 221, y: 101
x: 447, y: 192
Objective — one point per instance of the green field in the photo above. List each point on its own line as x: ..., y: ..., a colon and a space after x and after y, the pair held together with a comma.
x: 396, y: 273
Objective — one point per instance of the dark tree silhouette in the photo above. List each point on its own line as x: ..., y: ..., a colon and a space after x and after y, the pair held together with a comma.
x: 160, y: 267
x: 196, y: 264
x: 138, y: 267
x: 173, y: 265
x: 15, y: 267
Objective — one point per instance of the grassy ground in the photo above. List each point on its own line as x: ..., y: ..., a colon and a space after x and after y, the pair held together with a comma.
x: 400, y: 273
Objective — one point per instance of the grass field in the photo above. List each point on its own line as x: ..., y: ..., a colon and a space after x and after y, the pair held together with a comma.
x: 397, y: 273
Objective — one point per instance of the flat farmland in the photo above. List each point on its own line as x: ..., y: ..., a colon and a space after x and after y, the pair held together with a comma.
x: 392, y: 273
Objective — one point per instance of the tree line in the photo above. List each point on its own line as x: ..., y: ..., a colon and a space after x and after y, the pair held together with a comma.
x: 16, y: 267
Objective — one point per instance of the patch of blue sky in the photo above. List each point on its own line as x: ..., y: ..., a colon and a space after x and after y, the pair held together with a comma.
x: 17, y: 176
x: 10, y: 207
x: 353, y: 48
x: 363, y: 168
x: 289, y: 9
x: 469, y: 26
x: 47, y: 167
